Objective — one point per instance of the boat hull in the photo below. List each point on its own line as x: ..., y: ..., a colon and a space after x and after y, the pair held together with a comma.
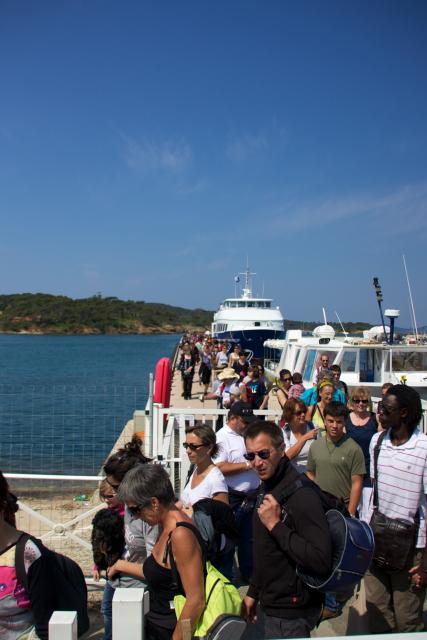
x: 250, y: 340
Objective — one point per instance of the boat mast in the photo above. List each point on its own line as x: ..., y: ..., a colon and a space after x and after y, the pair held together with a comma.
x: 411, y: 301
x: 247, y: 289
x: 342, y: 326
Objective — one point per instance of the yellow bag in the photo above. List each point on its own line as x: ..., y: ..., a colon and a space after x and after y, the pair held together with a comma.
x: 222, y: 598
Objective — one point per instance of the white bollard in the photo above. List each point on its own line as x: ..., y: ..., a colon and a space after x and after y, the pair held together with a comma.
x: 129, y: 608
x: 63, y: 625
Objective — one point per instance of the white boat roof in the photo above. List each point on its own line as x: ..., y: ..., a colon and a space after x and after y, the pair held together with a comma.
x: 339, y: 343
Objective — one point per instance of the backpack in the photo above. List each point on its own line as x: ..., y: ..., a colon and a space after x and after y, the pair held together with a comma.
x: 352, y: 542
x: 215, y: 521
x: 220, y: 619
x: 66, y: 579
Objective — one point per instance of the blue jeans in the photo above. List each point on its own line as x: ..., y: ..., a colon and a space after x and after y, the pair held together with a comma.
x: 244, y: 547
x: 107, y: 610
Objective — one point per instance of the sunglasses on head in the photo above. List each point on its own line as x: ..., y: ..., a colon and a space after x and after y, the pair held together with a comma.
x: 192, y: 447
x: 264, y: 454
x: 360, y: 400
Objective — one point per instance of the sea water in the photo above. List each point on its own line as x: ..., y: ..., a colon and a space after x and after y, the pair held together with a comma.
x: 64, y: 400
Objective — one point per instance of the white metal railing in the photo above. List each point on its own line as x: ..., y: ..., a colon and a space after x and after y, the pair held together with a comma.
x: 166, y: 433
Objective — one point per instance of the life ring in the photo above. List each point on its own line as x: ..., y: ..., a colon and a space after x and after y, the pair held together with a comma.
x: 163, y: 382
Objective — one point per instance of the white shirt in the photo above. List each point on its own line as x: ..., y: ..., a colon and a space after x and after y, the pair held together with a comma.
x: 211, y: 484
x: 300, y: 461
x: 231, y: 449
x: 402, y: 479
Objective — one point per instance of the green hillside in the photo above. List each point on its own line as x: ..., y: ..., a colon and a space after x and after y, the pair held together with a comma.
x: 45, y: 313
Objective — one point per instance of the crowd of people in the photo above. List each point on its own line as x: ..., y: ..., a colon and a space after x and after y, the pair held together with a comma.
x: 233, y: 504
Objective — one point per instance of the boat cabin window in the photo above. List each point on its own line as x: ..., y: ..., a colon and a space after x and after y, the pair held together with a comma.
x: 257, y: 324
x: 271, y: 357
x: 348, y: 362
x: 309, y: 365
x: 409, y: 360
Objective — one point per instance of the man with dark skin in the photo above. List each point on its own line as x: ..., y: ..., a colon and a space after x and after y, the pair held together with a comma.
x: 395, y: 598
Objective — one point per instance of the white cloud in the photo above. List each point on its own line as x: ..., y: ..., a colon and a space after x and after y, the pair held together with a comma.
x: 240, y: 149
x: 147, y: 155
x: 399, y: 211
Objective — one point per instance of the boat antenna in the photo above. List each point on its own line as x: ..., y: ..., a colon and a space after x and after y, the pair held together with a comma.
x: 411, y: 301
x: 247, y: 289
x: 324, y: 315
x: 379, y: 295
x: 342, y: 326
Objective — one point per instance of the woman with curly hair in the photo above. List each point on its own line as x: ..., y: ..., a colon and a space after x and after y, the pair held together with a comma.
x: 139, y: 536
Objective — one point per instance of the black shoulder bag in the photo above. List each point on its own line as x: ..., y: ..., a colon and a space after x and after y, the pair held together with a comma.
x: 395, y: 539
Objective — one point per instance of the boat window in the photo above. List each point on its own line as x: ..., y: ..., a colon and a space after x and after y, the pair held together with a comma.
x: 409, y: 360
x: 348, y: 362
x: 241, y: 304
x: 271, y: 357
x: 257, y: 324
x: 251, y: 304
x: 268, y: 305
x: 309, y: 365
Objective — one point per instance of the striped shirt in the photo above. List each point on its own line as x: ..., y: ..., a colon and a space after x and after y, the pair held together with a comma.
x: 402, y: 479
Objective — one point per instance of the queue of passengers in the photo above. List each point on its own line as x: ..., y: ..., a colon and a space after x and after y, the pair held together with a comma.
x: 240, y: 474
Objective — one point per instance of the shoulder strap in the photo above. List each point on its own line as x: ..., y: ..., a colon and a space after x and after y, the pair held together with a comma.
x: 21, y: 574
x: 168, y: 554
x: 376, y: 456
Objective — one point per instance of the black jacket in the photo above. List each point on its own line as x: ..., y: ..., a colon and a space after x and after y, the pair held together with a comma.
x: 302, y: 537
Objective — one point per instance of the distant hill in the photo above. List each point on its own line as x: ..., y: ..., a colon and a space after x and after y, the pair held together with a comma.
x: 350, y: 327
x: 41, y: 313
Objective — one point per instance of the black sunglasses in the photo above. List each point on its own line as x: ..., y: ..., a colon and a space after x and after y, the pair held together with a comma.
x: 264, y: 454
x: 386, y: 410
x: 286, y: 379
x: 358, y: 400
x: 192, y: 447
x: 134, y: 511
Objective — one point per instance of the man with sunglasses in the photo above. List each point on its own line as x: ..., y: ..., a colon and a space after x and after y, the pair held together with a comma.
x: 241, y: 481
x: 395, y: 596
x: 289, y: 529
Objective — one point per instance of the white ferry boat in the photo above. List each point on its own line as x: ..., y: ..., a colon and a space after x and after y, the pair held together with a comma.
x: 248, y: 320
x: 363, y: 361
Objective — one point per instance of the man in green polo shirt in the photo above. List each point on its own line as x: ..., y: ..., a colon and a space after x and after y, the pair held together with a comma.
x: 337, y: 464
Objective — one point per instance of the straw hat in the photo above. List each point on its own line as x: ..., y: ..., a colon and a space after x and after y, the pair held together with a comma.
x: 228, y: 374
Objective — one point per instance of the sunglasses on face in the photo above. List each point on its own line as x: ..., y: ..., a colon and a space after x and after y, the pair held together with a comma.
x: 286, y: 379
x: 264, y: 454
x: 300, y: 413
x: 135, y: 511
x: 192, y: 447
x: 386, y: 410
x: 360, y: 400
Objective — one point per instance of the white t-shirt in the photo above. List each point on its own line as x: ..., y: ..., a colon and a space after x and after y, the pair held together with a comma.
x: 231, y: 449
x: 212, y: 484
x: 402, y: 479
x: 300, y: 461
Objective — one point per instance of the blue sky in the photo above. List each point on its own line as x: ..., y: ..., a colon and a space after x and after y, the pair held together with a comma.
x: 147, y: 148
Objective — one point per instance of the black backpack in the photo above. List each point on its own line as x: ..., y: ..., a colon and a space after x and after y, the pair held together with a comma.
x: 67, y: 580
